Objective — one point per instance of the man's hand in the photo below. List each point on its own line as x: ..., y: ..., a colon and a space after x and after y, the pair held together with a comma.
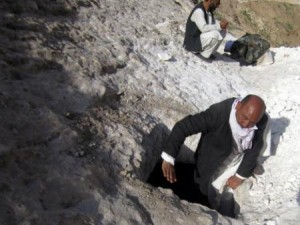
x: 233, y: 182
x: 223, y: 24
x: 168, y: 171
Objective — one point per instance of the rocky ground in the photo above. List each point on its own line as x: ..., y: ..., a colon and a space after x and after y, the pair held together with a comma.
x: 85, y: 110
x: 78, y: 137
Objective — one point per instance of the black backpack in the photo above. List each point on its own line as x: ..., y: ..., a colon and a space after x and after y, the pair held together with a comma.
x: 249, y: 48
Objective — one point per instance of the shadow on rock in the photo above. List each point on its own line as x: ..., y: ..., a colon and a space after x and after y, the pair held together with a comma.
x: 278, y: 127
x: 43, y: 99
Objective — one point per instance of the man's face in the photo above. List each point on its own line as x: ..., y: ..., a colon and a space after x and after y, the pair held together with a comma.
x: 247, y: 115
x: 214, y: 4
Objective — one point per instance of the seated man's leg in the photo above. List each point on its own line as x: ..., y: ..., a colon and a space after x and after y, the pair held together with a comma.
x: 210, y: 42
x: 223, y: 34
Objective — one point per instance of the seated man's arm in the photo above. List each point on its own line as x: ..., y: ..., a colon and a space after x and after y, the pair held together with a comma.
x: 199, y: 19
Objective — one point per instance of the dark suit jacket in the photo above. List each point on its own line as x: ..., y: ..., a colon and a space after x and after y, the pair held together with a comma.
x: 216, y: 142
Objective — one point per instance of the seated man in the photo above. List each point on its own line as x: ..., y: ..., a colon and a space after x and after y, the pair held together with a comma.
x: 203, y: 33
x: 231, y: 140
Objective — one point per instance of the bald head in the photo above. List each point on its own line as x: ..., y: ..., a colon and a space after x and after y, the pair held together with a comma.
x: 250, y: 110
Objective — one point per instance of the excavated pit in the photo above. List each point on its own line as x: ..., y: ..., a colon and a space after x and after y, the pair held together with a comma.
x: 184, y: 188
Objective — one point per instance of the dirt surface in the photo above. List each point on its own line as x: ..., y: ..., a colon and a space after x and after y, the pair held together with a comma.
x: 80, y: 124
x: 275, y: 21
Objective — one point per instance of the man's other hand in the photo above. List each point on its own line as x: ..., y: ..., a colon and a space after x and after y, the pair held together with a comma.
x: 223, y: 24
x: 168, y: 171
x: 233, y: 182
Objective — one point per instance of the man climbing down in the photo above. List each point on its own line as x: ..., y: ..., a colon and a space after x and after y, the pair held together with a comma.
x: 232, y: 134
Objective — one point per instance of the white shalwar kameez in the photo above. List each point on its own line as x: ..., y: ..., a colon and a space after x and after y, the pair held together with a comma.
x: 212, y: 35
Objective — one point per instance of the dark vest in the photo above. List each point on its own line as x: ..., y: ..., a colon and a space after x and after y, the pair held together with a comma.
x: 192, y: 33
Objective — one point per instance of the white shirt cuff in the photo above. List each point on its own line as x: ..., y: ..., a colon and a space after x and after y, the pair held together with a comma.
x: 168, y: 158
x: 239, y: 176
x: 218, y: 25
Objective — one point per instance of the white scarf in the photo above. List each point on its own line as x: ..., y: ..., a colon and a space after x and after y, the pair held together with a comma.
x: 242, y: 136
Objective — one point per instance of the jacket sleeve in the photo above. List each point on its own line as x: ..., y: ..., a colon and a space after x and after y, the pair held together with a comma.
x: 250, y: 155
x: 193, y: 124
